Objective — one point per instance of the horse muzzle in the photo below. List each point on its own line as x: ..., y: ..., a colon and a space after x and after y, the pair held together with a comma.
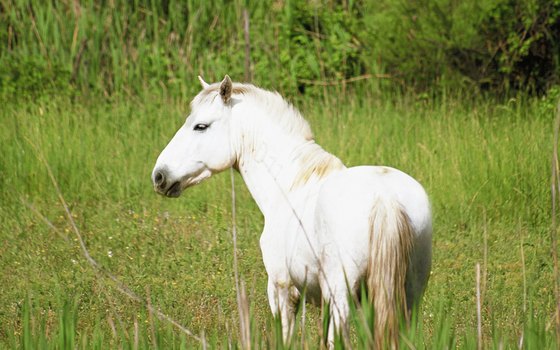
x: 164, y: 185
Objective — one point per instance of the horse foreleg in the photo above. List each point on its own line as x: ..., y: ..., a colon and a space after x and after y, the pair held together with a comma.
x: 335, y: 293
x: 283, y: 298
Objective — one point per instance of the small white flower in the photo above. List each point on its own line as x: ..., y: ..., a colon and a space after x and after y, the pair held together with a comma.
x: 110, y: 253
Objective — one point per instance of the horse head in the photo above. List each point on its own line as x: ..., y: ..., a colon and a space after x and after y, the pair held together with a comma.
x: 201, y: 147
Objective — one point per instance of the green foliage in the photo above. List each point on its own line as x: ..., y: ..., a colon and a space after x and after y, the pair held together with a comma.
x: 35, y: 333
x: 321, y: 43
x: 520, y: 46
x: 31, y: 77
x: 498, y: 46
x: 125, y: 47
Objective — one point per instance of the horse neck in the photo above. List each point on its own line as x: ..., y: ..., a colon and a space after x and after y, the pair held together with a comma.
x: 279, y: 168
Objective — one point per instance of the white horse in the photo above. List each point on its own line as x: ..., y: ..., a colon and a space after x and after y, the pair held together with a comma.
x: 327, y: 228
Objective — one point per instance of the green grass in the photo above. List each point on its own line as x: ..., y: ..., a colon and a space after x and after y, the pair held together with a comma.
x: 486, y: 167
x: 123, y: 72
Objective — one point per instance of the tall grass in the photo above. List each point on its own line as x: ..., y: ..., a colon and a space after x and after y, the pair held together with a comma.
x: 485, y: 166
x: 123, y: 47
x: 35, y: 333
x: 127, y: 47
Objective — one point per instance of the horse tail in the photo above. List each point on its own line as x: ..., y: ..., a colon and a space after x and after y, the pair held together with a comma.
x: 391, y: 240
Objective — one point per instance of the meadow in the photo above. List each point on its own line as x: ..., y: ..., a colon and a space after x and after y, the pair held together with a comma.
x: 457, y: 94
x: 486, y: 166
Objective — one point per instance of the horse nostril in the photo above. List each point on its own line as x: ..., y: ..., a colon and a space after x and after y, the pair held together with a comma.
x: 159, y: 179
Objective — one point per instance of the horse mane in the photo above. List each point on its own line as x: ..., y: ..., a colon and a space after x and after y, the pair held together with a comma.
x: 280, y: 111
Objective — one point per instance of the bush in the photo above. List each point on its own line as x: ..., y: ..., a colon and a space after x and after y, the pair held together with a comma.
x: 296, y: 45
x: 518, y: 48
x: 503, y: 46
x: 32, y: 77
x: 321, y: 43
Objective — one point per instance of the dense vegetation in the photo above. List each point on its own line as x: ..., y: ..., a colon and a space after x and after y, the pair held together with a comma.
x: 131, y: 46
x: 461, y: 95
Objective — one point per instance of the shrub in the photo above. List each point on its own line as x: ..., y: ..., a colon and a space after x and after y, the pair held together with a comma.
x: 132, y: 47
x: 32, y: 77
x: 503, y: 46
x: 517, y: 48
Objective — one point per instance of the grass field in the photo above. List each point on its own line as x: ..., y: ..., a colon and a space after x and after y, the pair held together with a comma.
x: 486, y: 167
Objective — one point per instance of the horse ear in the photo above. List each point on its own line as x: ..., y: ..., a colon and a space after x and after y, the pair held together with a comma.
x: 203, y: 83
x: 225, y: 89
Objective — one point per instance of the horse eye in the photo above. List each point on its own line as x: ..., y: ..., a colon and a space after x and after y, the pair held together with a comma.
x: 200, y: 127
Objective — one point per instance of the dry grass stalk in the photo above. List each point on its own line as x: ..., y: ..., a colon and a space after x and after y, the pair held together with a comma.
x: 480, y: 344
x: 555, y: 190
x: 242, y: 301
x: 524, y: 272
x: 248, y: 75
x: 151, y: 318
x: 136, y: 334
